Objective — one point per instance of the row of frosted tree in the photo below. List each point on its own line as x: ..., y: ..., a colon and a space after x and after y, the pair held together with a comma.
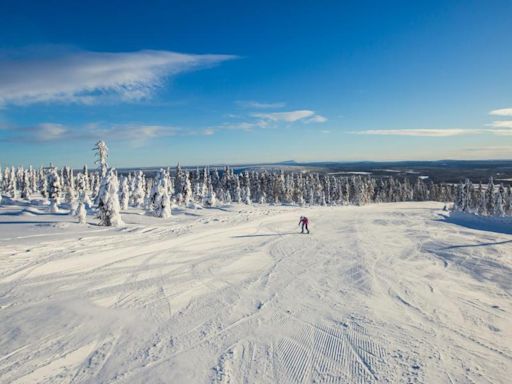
x: 105, y: 193
x: 488, y: 200
x: 82, y: 191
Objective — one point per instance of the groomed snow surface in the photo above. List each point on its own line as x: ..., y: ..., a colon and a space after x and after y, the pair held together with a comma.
x: 386, y: 293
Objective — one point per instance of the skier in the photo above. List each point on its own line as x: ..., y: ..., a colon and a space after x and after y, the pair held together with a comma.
x: 304, y: 221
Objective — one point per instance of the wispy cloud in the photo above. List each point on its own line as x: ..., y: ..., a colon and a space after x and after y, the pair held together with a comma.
x: 244, y: 125
x: 500, y: 132
x: 208, y: 132
x: 501, y: 112
x: 316, y: 119
x: 49, y: 132
x: 258, y: 105
x: 66, y: 76
x: 504, y: 130
x: 418, y: 132
x: 501, y: 124
x: 136, y: 134
x: 257, y: 120
x: 292, y: 116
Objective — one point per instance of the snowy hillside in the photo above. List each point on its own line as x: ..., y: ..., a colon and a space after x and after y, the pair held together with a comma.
x: 380, y: 293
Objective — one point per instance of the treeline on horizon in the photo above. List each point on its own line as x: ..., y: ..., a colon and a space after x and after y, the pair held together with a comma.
x: 104, y: 193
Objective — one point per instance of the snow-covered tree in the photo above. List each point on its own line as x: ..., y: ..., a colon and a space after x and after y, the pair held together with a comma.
x: 81, y: 212
x: 187, y: 190
x: 101, y: 151
x: 25, y: 185
x: 124, y: 194
x: 54, y: 189
x: 499, y: 205
x: 139, y: 191
x: 489, y: 197
x: 12, y: 187
x: 109, y: 210
x: 162, y: 201
x: 210, y: 200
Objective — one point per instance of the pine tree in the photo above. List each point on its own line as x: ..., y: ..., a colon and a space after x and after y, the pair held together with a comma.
x: 54, y: 189
x: 81, y: 212
x: 162, y: 202
x: 12, y: 188
x: 499, y: 205
x: 187, y: 190
x: 124, y: 194
x: 25, y: 185
x: 101, y: 150
x: 139, y: 192
x: 109, y: 210
x: 489, y: 197
x: 210, y: 199
x: 482, y: 202
x: 508, y: 201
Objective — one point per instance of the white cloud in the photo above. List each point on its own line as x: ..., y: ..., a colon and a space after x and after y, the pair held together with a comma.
x: 137, y: 134
x: 288, y: 117
x: 84, y: 76
x: 49, y: 131
x: 272, y: 120
x: 418, y: 132
x: 501, y: 124
x: 259, y: 105
x: 501, y: 112
x: 208, y: 132
x: 501, y: 132
x: 244, y: 125
x: 316, y: 119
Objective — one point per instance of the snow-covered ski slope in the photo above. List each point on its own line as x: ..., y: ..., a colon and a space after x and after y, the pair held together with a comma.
x: 388, y: 293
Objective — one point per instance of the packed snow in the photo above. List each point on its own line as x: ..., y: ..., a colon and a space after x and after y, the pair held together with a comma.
x: 383, y: 293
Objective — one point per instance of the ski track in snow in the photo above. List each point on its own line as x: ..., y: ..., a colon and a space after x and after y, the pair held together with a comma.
x: 377, y: 294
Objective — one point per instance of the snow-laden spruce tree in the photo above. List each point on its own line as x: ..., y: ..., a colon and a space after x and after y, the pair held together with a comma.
x: 139, y: 190
x: 124, y: 194
x: 12, y: 187
x: 33, y: 179
x: 82, y: 188
x: 237, y: 196
x: 489, y: 197
x: 482, y: 202
x: 508, y: 201
x: 109, y: 210
x: 54, y: 189
x: 155, y: 189
x: 246, y: 193
x: 165, y: 204
x: 228, y: 199
x: 42, y: 184
x: 187, y: 190
x: 25, y: 185
x: 499, y: 205
x: 162, y: 200
x: 69, y: 186
x: 210, y: 200
x: 81, y: 212
x: 101, y: 151
x: 147, y: 200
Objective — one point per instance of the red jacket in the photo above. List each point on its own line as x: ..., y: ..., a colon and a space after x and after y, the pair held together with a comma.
x: 304, y: 220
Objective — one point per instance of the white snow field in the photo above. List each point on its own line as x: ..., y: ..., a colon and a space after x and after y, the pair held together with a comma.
x: 385, y: 293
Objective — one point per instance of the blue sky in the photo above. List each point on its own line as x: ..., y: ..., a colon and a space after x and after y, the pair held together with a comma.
x: 205, y: 82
